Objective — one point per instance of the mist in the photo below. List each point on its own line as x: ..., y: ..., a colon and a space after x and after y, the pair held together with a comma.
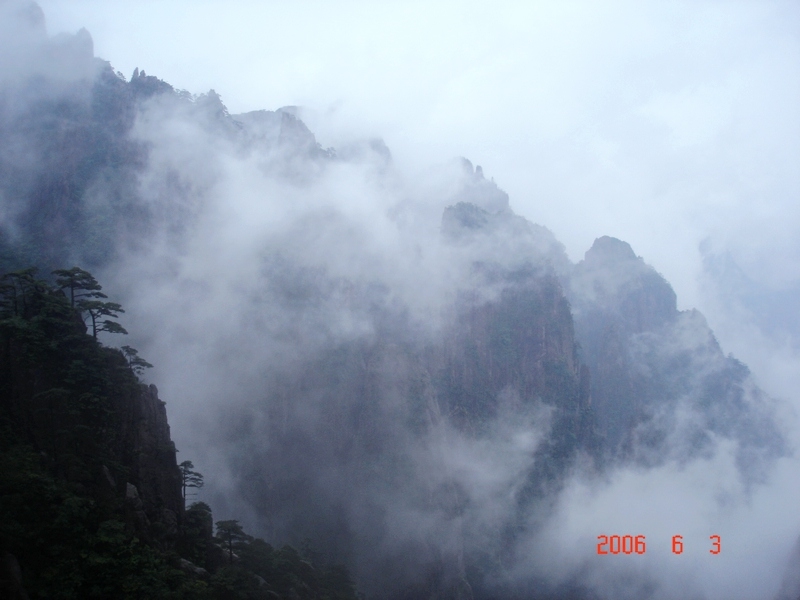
x: 301, y: 278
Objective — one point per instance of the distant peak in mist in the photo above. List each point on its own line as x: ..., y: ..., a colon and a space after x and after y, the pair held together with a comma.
x: 26, y: 50
x: 483, y: 193
x: 25, y: 13
x: 609, y: 249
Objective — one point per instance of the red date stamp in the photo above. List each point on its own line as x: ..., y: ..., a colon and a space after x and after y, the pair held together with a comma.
x: 629, y: 544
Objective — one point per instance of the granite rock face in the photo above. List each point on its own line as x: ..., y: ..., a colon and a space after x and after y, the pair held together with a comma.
x: 661, y: 387
x: 523, y: 340
x: 613, y: 281
x: 147, y: 450
x: 616, y: 296
x: 361, y: 443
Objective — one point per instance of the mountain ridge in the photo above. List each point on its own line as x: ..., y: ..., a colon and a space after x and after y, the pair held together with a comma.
x: 411, y: 403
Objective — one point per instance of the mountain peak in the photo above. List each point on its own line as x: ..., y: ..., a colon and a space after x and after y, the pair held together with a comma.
x: 609, y: 249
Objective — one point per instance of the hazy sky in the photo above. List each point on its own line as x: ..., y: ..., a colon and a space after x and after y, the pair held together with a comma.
x: 660, y: 123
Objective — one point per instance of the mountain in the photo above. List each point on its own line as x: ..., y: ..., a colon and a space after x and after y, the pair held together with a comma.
x: 652, y: 364
x: 398, y: 374
x: 88, y: 464
x: 91, y: 496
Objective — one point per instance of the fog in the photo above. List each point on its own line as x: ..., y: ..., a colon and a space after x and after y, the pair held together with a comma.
x: 639, y: 120
x: 673, y: 127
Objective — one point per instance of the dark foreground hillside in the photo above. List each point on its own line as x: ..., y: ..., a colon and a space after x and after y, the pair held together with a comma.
x: 90, y: 490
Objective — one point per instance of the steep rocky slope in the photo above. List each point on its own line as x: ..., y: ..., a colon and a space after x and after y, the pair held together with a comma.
x: 662, y: 388
x: 85, y: 451
x: 90, y: 491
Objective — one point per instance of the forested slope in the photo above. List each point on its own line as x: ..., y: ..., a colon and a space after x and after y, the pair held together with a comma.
x: 90, y: 491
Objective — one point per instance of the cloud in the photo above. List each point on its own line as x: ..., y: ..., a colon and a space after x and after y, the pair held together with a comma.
x: 694, y: 500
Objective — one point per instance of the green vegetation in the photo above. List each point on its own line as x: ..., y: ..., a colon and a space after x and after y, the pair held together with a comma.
x: 69, y: 516
x: 72, y: 544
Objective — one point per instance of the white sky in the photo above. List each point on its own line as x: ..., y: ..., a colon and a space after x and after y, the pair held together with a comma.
x: 661, y: 123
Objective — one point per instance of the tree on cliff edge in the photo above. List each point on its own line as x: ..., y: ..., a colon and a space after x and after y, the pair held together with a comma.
x: 80, y: 283
x: 84, y: 291
x: 189, y: 478
x: 138, y: 365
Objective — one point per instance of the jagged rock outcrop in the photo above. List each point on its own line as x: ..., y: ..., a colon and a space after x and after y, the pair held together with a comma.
x: 285, y: 145
x: 612, y: 280
x: 649, y: 362
x: 522, y: 340
x: 153, y: 463
x: 87, y: 466
x: 477, y: 190
x: 501, y: 238
x: 153, y: 487
x: 143, y: 86
x: 615, y: 295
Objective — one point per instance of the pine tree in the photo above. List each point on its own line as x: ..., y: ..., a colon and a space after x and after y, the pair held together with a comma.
x: 138, y: 365
x: 16, y: 289
x: 230, y: 533
x: 97, y: 310
x: 84, y: 291
x: 190, y: 478
x: 76, y: 279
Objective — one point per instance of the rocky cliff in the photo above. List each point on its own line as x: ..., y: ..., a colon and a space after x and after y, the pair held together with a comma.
x: 51, y: 397
x: 85, y: 449
x: 153, y: 484
x: 650, y: 362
